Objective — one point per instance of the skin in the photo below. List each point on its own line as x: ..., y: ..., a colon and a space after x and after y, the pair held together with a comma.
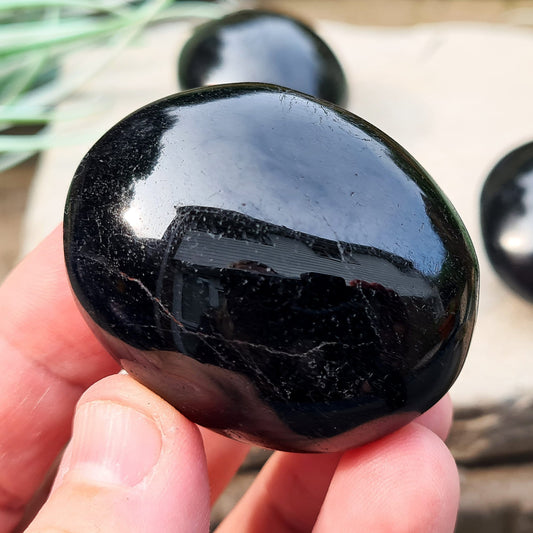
x: 59, y: 390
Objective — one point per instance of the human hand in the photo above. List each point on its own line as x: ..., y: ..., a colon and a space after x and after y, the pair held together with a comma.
x: 135, y: 464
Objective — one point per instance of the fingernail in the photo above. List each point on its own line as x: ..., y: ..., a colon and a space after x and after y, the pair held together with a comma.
x: 113, y: 444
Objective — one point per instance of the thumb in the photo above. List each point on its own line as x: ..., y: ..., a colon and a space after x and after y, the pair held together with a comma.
x: 133, y: 464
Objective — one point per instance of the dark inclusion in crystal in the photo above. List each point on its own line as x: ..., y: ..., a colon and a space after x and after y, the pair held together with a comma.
x: 261, y: 46
x: 507, y: 219
x: 278, y: 269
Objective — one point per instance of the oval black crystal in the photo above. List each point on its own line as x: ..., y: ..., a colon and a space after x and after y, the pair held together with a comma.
x: 261, y: 46
x: 275, y: 267
x: 507, y: 219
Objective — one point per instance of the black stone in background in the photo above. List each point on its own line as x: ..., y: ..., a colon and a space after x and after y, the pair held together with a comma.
x: 506, y: 210
x: 262, y: 46
x: 275, y: 267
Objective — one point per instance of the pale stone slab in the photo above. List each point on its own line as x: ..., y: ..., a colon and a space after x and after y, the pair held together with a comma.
x: 496, y: 500
x: 493, y: 433
x: 458, y: 96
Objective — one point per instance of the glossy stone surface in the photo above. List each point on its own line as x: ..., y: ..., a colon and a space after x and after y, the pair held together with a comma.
x: 261, y: 46
x: 507, y: 219
x: 279, y: 270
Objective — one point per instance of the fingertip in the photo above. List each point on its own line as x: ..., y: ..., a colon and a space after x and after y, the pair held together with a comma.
x: 405, y: 482
x: 438, y: 418
x: 180, y: 438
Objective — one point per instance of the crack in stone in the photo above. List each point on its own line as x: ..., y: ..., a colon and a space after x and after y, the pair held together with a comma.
x: 155, y: 299
x: 273, y: 351
x: 203, y: 337
x: 167, y: 312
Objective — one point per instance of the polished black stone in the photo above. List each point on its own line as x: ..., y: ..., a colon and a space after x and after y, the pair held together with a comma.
x: 507, y: 219
x: 262, y: 46
x: 279, y: 270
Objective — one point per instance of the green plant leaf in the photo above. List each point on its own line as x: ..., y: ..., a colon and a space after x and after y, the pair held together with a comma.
x: 36, y: 34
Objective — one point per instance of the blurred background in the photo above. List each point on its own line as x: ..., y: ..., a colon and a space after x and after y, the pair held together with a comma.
x: 451, y: 80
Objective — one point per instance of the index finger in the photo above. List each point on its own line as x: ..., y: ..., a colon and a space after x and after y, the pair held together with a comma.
x: 48, y: 357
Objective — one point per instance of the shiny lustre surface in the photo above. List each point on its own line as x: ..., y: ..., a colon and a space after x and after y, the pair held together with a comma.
x: 278, y: 269
x: 507, y: 219
x: 261, y: 46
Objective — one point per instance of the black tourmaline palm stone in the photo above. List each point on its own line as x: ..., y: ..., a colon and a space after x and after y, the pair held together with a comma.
x: 262, y: 46
x: 275, y: 267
